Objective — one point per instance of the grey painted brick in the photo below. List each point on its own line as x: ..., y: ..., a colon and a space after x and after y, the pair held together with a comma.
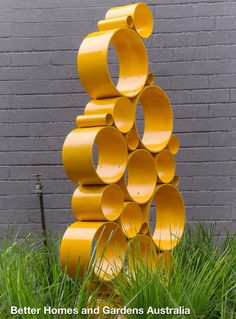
x: 191, y: 111
x: 203, y: 125
x: 208, y: 96
x: 47, y: 101
x: 13, y: 216
x: 217, y: 110
x: 205, y: 154
x: 206, y: 169
x: 183, y: 25
x: 225, y: 23
x: 193, y: 139
x: 222, y: 139
x: 173, y: 82
x: 214, y: 213
x: 196, y: 10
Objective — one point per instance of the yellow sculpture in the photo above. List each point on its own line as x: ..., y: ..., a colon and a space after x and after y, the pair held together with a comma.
x: 114, y: 194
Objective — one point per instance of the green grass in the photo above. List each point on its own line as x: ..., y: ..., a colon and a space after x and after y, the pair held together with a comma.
x: 203, y: 278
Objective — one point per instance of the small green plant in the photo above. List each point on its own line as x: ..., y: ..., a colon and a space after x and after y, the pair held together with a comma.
x: 201, y: 277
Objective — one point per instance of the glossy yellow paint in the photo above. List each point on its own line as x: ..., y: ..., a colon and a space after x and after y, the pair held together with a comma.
x: 93, y: 63
x: 165, y: 165
x: 175, y: 181
x: 116, y: 188
x: 102, y: 242
x: 132, y: 140
x: 141, y: 249
x: 98, y: 202
x: 77, y: 155
x: 121, y: 108
x: 131, y: 219
x: 115, y: 23
x: 94, y: 120
x: 145, y: 229
x: 158, y: 118
x: 150, y: 79
x: 174, y: 144
x: 170, y: 216
x: 141, y: 14
x: 139, y: 181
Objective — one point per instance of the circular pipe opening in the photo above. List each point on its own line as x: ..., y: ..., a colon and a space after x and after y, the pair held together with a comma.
x: 158, y: 118
x: 170, y: 217
x: 150, y: 79
x: 110, y: 249
x: 132, y: 140
x: 112, y: 202
x: 130, y: 22
x: 143, y: 20
x: 93, y: 63
x: 173, y: 144
x: 141, y: 177
x: 175, y: 181
x: 111, y: 160
x: 121, y: 108
x: 131, y: 219
x: 97, y: 202
x: 89, y: 159
x: 141, y: 252
x: 141, y: 14
x: 144, y: 228
x: 165, y: 165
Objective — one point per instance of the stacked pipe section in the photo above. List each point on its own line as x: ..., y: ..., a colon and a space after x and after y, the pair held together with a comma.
x: 120, y: 174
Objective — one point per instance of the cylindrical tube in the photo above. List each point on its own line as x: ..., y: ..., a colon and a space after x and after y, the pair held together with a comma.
x: 165, y: 165
x: 175, y: 181
x: 141, y: 251
x: 173, y: 145
x: 170, y: 216
x: 131, y: 219
x: 97, y: 244
x: 158, y: 118
x: 98, y: 202
x: 93, y: 63
x: 150, y: 79
x: 121, y: 108
x: 115, y: 23
x: 141, y: 14
x: 139, y: 181
x: 132, y: 140
x: 78, y: 155
x: 94, y: 120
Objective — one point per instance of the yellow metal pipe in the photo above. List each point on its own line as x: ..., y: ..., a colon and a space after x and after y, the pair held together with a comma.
x: 175, y: 181
x: 78, y: 159
x: 170, y: 216
x: 132, y: 140
x: 98, y: 244
x: 93, y: 69
x: 139, y: 181
x: 98, y: 202
x: 141, y: 14
x: 94, y: 120
x: 150, y: 79
x: 158, y: 118
x: 121, y: 108
x: 115, y: 23
x: 145, y: 229
x: 173, y: 145
x: 165, y: 165
x: 141, y: 250
x: 131, y: 219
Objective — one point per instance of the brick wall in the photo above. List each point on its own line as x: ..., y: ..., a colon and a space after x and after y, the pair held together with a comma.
x: 192, y: 53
